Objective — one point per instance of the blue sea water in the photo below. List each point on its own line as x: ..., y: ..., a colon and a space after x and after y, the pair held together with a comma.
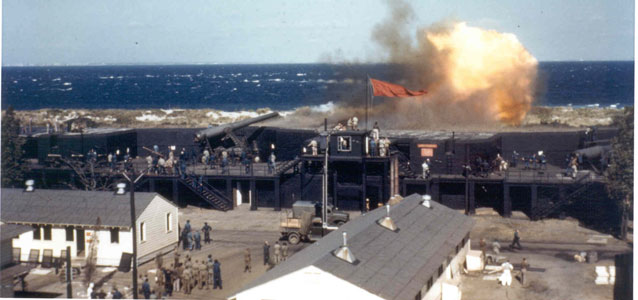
x: 279, y: 87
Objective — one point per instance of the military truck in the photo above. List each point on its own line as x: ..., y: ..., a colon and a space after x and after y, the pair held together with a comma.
x: 305, y: 223
x: 335, y: 217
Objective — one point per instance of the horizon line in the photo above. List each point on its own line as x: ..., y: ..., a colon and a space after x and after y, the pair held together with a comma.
x: 254, y: 63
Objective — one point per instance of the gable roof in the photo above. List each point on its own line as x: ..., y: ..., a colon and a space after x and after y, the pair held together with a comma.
x: 392, y: 265
x: 71, y: 207
x: 9, y: 231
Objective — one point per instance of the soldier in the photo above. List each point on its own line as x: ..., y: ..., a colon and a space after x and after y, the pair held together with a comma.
x: 198, y: 240
x: 203, y: 274
x: 373, y: 147
x: 146, y: 289
x: 162, y: 166
x: 116, y: 293
x: 277, y: 252
x: 515, y: 158
x: 149, y: 163
x: 483, y: 246
x: 516, y: 240
x: 426, y: 168
x: 272, y: 165
x: 355, y: 123
x: 168, y: 281
x: 224, y: 162
x: 176, y: 257
x: 524, y: 267
x: 266, y: 253
x: 376, y: 131
x: 209, y: 268
x: 205, y: 157
x: 206, y: 229
x: 109, y: 159
x: 247, y: 261
x: 178, y: 274
x: 313, y: 147
x: 349, y: 123
x: 284, y: 251
x: 191, y: 240
x: 217, y: 275
x: 159, y: 281
x: 187, y: 275
x: 197, y: 274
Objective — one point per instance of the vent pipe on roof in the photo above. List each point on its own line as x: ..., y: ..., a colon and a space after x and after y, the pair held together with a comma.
x: 120, y: 189
x: 426, y: 201
x: 29, y: 183
x: 387, y: 221
x: 344, y: 252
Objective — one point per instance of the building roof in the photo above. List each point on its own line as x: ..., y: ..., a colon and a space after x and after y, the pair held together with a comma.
x: 71, y: 207
x: 392, y: 265
x: 9, y: 231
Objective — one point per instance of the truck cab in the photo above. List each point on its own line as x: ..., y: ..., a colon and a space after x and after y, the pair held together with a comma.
x: 334, y: 217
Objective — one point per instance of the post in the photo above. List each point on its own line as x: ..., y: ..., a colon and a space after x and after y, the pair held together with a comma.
x: 134, y: 231
x: 367, y: 99
x: 69, y: 275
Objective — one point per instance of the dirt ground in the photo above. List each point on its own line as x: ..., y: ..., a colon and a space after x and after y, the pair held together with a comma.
x: 548, y: 245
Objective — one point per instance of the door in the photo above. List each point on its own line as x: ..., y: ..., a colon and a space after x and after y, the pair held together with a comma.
x: 79, y: 237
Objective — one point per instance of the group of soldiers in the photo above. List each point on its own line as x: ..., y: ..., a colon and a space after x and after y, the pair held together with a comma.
x: 158, y: 164
x: 183, y: 276
x: 280, y: 253
x: 351, y: 124
x: 192, y: 239
x: 377, y: 144
x: 506, y: 277
x: 535, y: 161
x: 115, y: 158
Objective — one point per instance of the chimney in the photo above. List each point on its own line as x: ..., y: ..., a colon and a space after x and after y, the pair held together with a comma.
x: 29, y: 185
x: 426, y: 201
x: 120, y: 188
x: 344, y: 252
x: 387, y: 221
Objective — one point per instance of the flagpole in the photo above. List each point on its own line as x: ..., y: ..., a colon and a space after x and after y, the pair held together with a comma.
x: 367, y: 98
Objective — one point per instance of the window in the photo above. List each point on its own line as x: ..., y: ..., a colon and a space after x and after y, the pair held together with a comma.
x: 142, y: 232
x: 36, y: 232
x: 47, y: 232
x: 115, y: 235
x: 418, y: 296
x: 69, y: 233
x: 430, y: 282
x: 457, y: 249
x: 440, y: 270
x: 169, y: 222
x: 344, y: 144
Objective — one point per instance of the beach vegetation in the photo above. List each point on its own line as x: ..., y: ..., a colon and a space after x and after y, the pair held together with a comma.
x: 620, y: 174
x: 14, y: 166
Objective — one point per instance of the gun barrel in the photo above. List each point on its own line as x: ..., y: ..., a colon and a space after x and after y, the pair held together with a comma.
x: 222, y: 129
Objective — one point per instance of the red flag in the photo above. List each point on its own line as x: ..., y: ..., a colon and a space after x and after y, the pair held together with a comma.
x: 386, y: 89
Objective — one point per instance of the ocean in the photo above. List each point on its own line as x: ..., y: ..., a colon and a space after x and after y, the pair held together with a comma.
x: 278, y: 87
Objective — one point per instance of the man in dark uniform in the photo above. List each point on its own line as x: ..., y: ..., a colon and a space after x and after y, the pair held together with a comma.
x: 206, y: 229
x: 146, y: 289
x: 266, y: 253
x: 217, y: 275
x: 516, y: 241
x: 198, y: 240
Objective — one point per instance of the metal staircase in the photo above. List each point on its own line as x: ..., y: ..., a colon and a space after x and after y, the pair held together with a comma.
x: 208, y: 193
x: 404, y: 166
x: 575, y: 189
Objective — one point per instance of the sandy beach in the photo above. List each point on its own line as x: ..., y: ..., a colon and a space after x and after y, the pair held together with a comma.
x: 539, y: 117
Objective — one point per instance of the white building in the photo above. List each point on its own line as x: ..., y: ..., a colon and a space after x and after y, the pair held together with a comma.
x: 420, y: 259
x: 62, y: 218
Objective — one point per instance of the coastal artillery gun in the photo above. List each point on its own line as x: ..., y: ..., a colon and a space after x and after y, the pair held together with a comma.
x: 227, y: 132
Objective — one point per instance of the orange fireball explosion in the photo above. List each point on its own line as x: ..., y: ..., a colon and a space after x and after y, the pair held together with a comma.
x: 481, y: 62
